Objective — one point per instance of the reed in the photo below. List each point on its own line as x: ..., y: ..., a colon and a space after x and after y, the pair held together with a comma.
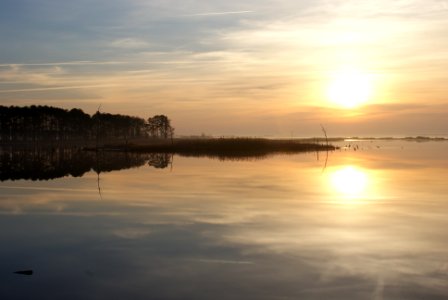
x: 224, y: 147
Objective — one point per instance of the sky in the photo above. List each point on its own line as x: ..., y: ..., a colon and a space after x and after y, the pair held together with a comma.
x: 245, y: 68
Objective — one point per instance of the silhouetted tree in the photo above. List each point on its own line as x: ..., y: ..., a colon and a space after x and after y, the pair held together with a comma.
x: 159, y: 126
x: 34, y: 123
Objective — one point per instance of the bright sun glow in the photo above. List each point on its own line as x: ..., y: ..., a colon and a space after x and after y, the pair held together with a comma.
x: 349, y: 181
x: 349, y: 88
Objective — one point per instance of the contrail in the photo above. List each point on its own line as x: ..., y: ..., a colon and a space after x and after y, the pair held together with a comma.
x: 47, y: 189
x: 221, y: 13
x: 56, y: 88
x: 64, y: 63
x: 222, y: 261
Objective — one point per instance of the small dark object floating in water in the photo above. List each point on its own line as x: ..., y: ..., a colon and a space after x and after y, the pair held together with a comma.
x: 24, y: 272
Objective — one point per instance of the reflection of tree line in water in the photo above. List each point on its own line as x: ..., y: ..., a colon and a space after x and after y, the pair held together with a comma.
x: 55, y: 162
x: 45, y: 163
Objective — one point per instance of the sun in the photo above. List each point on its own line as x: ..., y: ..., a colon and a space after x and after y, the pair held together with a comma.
x: 349, y: 88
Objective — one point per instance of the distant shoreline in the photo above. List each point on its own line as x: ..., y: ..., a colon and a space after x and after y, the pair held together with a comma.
x: 89, y: 144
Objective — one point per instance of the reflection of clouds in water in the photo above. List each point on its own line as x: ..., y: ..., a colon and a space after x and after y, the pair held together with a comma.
x: 366, y: 266
x: 258, y: 230
x: 187, y: 255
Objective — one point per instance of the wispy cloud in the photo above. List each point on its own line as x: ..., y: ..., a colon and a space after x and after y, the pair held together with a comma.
x: 130, y: 43
x: 220, y: 13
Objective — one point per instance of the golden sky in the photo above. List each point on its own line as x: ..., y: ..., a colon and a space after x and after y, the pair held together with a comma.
x: 266, y: 68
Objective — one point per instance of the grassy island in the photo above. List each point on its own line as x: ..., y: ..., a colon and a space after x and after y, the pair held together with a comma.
x: 221, y: 147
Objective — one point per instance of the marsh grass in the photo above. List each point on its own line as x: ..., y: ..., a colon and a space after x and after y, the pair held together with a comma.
x: 223, y: 147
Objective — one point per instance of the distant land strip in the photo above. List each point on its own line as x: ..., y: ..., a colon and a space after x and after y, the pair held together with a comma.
x: 227, y: 147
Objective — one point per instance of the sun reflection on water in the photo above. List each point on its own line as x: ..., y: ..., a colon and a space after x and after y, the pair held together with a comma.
x: 351, y: 182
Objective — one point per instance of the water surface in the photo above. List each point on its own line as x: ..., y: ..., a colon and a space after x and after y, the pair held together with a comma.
x: 369, y: 222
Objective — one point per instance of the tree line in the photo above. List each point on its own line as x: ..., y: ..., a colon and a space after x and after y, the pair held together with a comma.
x: 34, y: 123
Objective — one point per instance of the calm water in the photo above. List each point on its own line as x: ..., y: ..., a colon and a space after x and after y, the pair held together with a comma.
x: 372, y: 224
